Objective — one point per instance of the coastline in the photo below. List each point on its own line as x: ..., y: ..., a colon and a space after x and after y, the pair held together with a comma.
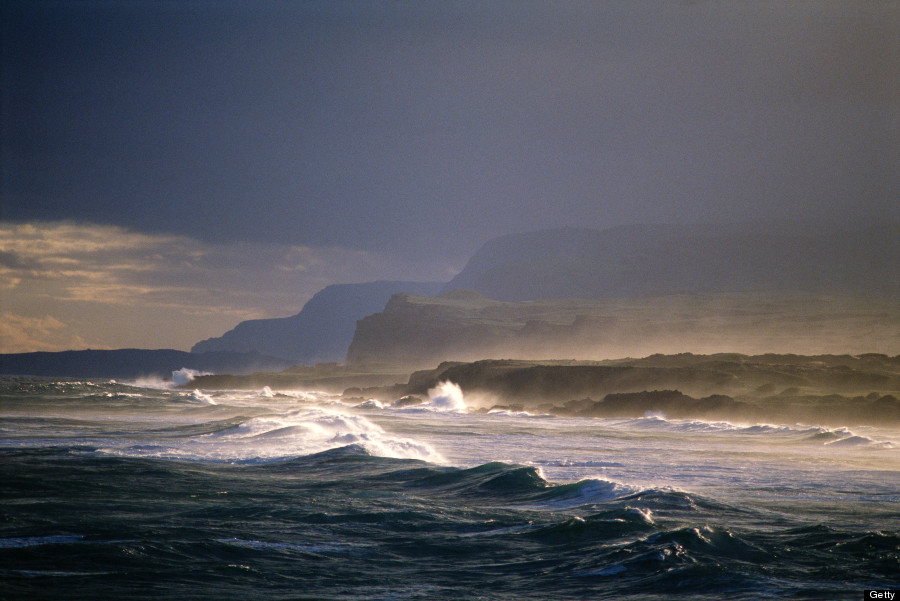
x: 827, y: 389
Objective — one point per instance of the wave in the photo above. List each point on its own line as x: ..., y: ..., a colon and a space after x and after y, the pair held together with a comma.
x: 332, y: 548
x: 497, y: 530
x: 512, y: 413
x: 837, y: 436
x: 295, y: 433
x: 185, y: 375
x: 39, y: 541
x: 585, y: 492
x: 523, y: 485
x: 370, y: 404
x: 610, y: 525
x: 860, y: 441
x: 493, y: 483
x: 446, y: 397
x: 203, y: 398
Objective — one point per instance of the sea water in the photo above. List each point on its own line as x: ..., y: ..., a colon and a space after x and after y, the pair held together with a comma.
x: 136, y: 491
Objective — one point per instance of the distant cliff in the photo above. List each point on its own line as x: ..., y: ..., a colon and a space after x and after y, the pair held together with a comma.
x: 323, y: 329
x: 640, y: 289
x: 641, y: 260
x: 133, y: 363
x: 417, y: 331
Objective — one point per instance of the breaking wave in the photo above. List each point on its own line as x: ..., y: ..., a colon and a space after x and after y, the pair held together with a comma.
x: 296, y: 433
x: 838, y: 436
x: 446, y: 397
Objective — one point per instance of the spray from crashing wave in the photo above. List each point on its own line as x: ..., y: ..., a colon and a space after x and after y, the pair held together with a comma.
x: 203, y: 398
x: 446, y: 396
x: 185, y: 375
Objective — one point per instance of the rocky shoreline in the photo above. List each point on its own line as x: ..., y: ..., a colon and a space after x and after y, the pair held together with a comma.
x: 827, y: 389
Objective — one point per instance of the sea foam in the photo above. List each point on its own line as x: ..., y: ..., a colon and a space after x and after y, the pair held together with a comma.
x: 308, y: 431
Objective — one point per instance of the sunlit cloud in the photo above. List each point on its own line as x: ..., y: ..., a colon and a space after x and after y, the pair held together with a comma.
x: 20, y: 334
x: 51, y: 272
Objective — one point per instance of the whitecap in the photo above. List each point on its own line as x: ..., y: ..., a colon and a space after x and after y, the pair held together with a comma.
x: 446, y: 396
x: 305, y: 431
x: 851, y: 441
x: 511, y: 413
x: 184, y: 376
x: 203, y: 398
x: 370, y: 404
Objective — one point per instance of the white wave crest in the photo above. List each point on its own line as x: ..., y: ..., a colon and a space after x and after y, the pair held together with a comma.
x: 836, y: 436
x: 185, y: 375
x: 203, y: 398
x: 296, y: 433
x: 446, y: 396
x: 859, y: 441
x: 370, y: 404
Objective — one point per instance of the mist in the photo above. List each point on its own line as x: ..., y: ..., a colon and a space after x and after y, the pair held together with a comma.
x: 467, y: 327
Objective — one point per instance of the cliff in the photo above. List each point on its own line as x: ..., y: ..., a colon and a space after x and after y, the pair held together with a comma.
x: 417, y: 331
x: 641, y: 260
x: 323, y: 329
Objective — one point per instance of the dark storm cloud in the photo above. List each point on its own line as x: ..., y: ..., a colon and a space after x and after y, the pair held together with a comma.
x: 433, y: 126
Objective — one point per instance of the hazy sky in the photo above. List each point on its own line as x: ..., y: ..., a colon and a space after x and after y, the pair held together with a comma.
x: 171, y: 168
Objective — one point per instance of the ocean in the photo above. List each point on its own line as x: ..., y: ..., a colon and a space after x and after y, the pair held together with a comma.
x: 115, y: 490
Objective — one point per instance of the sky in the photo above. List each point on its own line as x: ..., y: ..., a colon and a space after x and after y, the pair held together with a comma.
x: 171, y: 168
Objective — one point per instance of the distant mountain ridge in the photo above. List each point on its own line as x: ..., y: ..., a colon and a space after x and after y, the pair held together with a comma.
x: 635, y: 261
x: 646, y: 260
x: 696, y: 281
x: 323, y: 329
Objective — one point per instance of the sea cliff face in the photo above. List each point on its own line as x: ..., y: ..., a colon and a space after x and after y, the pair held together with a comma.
x: 321, y: 331
x: 417, y: 331
x: 652, y: 260
x: 640, y: 289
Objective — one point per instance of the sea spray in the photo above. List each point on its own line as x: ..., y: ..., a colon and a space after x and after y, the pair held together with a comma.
x: 446, y: 396
x: 185, y: 375
x: 301, y: 432
x: 203, y: 398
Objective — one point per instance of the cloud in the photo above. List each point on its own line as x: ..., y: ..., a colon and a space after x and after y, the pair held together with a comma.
x: 67, y: 283
x: 19, y: 334
x: 362, y: 124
